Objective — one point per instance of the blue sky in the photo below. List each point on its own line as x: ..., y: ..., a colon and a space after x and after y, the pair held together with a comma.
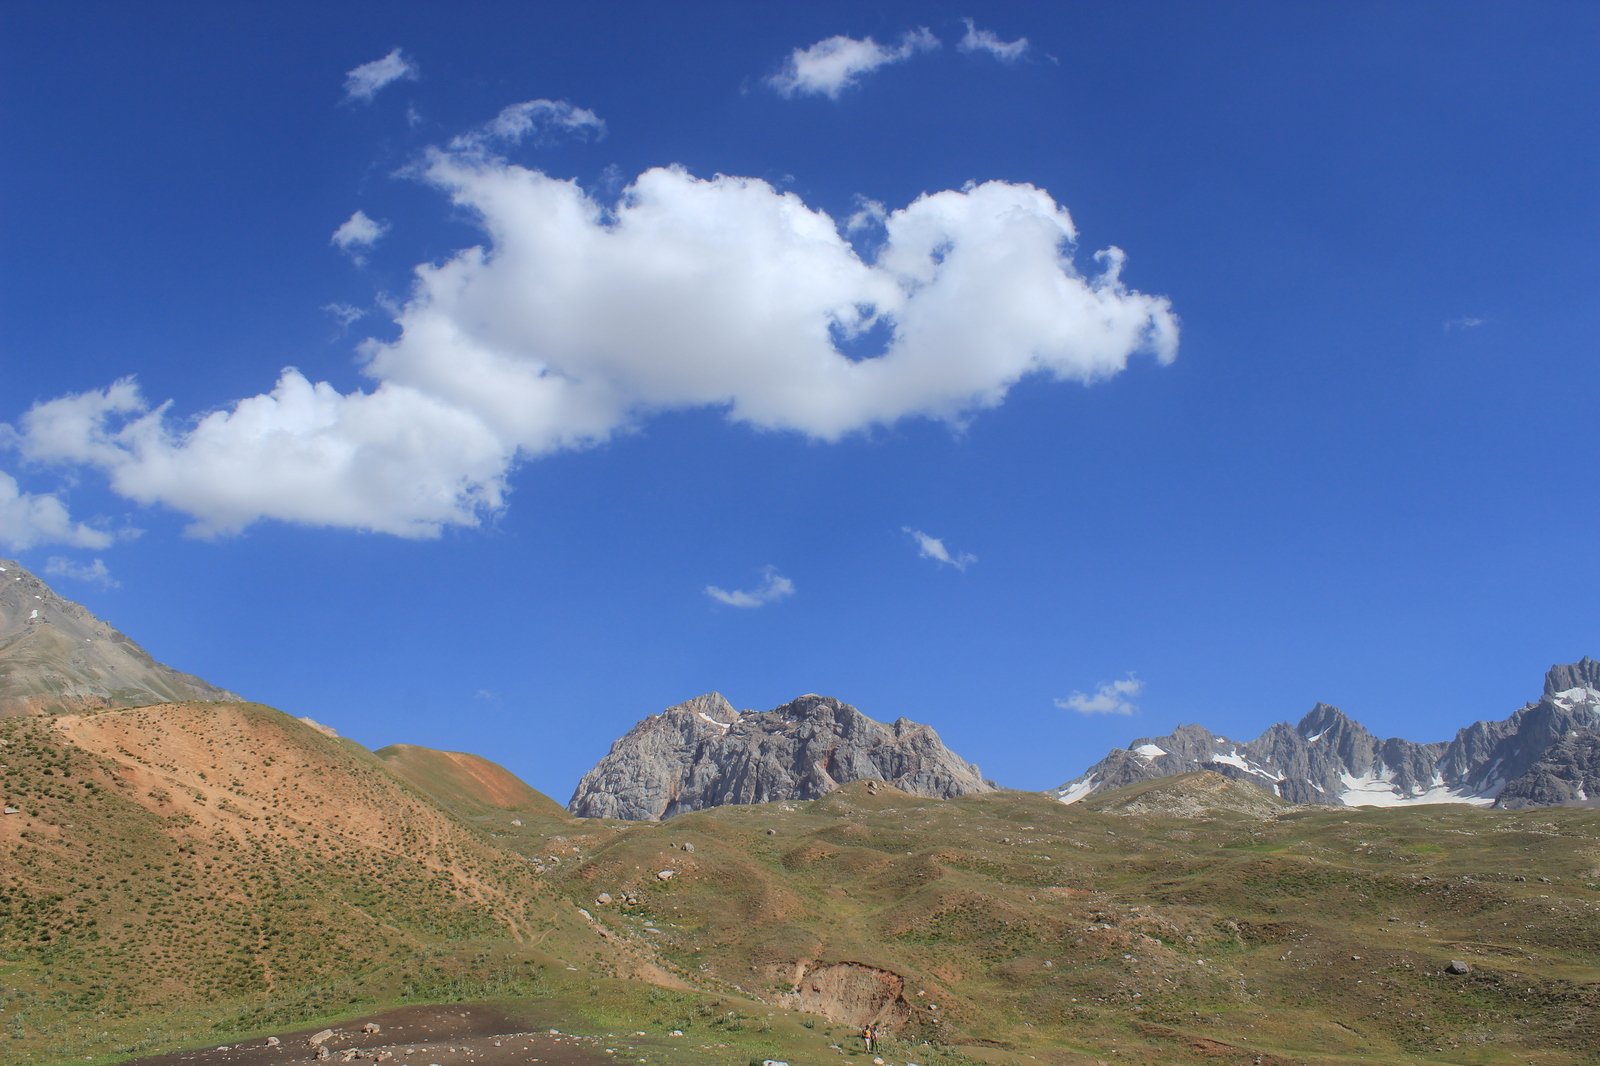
x: 1328, y: 436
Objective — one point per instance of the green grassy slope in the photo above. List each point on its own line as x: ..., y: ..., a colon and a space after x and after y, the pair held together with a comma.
x: 1316, y: 935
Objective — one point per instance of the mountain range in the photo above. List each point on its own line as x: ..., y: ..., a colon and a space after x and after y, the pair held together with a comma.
x: 1546, y: 753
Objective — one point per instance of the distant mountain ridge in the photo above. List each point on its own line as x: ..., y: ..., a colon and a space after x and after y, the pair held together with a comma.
x: 1548, y: 752
x: 703, y: 753
x: 58, y: 658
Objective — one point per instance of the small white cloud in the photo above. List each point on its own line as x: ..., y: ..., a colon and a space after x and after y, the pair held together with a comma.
x: 540, y: 121
x: 1464, y: 323
x: 94, y: 572
x: 28, y: 519
x: 364, y: 82
x: 1110, y: 697
x: 829, y: 67
x: 345, y: 313
x: 485, y: 694
x: 358, y: 233
x: 774, y: 586
x: 933, y: 548
x: 976, y: 40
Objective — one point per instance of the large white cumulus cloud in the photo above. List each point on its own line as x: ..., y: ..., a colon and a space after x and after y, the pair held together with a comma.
x: 576, y: 319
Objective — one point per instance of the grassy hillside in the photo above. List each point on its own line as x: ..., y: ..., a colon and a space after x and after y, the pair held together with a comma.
x: 200, y: 865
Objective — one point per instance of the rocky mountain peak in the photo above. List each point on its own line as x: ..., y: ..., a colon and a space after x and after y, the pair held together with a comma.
x: 1323, y: 719
x: 56, y: 657
x: 711, y: 709
x: 702, y: 753
x: 1585, y: 673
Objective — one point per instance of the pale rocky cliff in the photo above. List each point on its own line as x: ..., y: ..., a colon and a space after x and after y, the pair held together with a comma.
x: 703, y: 753
x: 56, y: 657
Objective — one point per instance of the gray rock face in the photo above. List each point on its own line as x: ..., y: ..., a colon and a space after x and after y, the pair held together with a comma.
x: 1330, y: 759
x: 1566, y: 775
x: 1585, y: 673
x: 56, y: 657
x: 703, y: 753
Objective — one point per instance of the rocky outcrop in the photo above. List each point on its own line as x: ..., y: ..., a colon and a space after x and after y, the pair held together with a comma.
x: 703, y: 753
x: 1327, y: 758
x: 56, y: 657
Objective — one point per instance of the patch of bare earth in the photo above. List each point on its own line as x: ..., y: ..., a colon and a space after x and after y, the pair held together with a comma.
x: 412, y: 1036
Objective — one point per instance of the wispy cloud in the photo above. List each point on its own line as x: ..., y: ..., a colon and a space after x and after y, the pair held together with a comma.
x: 345, y: 313
x: 1466, y: 322
x: 976, y: 40
x: 933, y: 548
x: 364, y: 82
x: 29, y: 519
x: 774, y: 586
x: 1110, y: 697
x: 539, y: 121
x: 356, y: 234
x: 831, y: 66
x: 95, y: 572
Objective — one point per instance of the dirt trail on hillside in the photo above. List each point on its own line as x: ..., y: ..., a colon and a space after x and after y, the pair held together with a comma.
x: 415, y: 1036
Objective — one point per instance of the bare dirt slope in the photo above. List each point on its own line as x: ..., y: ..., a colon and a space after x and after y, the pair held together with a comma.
x: 466, y: 784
